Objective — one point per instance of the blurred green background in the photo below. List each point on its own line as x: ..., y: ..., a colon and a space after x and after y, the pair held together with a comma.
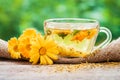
x: 17, y: 15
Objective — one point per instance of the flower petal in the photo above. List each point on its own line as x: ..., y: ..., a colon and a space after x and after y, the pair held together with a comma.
x: 28, y: 33
x: 43, y: 60
x: 49, y: 61
x: 53, y: 50
x: 52, y: 56
x: 34, y: 58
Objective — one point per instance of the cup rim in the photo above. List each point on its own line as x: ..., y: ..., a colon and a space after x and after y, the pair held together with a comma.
x: 77, y: 19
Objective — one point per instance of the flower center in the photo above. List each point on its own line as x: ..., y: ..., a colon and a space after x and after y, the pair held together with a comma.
x: 28, y: 47
x: 15, y: 48
x: 42, y: 50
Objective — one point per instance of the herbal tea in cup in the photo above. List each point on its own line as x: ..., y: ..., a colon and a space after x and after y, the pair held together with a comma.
x: 75, y: 35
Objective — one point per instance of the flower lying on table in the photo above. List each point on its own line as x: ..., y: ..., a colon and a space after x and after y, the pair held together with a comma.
x: 37, y: 48
x: 13, y: 48
x: 43, y: 49
x: 25, y: 42
x: 33, y: 46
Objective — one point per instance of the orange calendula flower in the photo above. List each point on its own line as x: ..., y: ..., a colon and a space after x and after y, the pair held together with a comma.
x: 43, y: 50
x: 28, y: 33
x: 13, y: 48
x: 25, y: 42
x: 84, y: 34
x: 24, y: 47
x: 80, y: 35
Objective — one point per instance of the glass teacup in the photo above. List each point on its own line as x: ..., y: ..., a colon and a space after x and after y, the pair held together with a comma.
x: 76, y: 34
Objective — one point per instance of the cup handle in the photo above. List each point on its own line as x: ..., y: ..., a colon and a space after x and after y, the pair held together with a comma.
x: 107, y: 40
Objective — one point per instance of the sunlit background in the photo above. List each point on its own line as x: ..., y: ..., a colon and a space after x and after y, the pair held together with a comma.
x: 17, y: 15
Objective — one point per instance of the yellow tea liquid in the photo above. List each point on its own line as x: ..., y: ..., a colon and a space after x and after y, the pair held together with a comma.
x: 80, y: 40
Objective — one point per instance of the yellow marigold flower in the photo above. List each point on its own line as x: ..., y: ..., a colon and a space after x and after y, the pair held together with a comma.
x: 25, y: 42
x: 24, y: 47
x: 28, y: 33
x: 34, y: 47
x: 43, y: 50
x: 13, y: 48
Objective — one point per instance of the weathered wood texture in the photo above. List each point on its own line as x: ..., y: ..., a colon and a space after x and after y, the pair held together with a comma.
x: 21, y: 70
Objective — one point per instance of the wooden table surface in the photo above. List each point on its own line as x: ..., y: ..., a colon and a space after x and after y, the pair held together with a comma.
x: 22, y: 70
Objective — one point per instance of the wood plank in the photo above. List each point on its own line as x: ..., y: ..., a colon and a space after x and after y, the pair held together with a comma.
x: 23, y: 70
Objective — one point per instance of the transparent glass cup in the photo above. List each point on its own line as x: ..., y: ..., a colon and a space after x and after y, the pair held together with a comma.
x: 76, y: 34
